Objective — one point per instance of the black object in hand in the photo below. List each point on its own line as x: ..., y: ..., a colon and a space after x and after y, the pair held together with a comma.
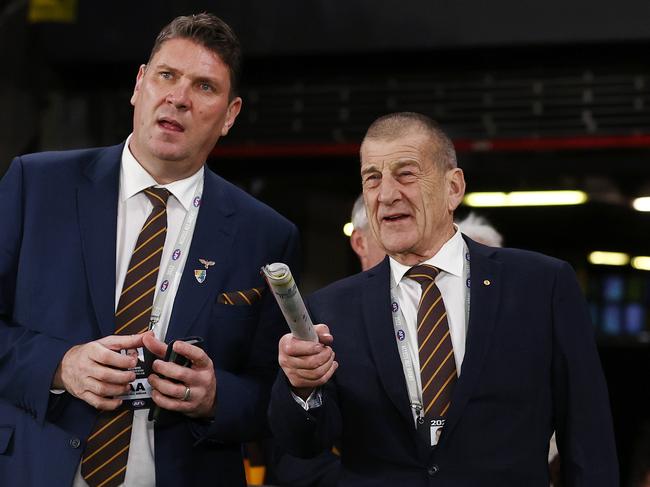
x: 156, y: 412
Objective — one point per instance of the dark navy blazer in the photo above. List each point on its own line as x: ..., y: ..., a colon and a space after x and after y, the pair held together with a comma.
x: 58, y: 217
x: 530, y: 367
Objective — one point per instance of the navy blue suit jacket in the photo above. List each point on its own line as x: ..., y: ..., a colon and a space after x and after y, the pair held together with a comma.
x: 58, y: 217
x: 530, y: 367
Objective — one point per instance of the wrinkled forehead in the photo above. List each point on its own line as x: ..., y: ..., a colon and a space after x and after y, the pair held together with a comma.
x: 386, y: 153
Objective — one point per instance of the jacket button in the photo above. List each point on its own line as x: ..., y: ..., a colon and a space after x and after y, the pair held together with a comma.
x: 74, y: 442
x: 433, y: 469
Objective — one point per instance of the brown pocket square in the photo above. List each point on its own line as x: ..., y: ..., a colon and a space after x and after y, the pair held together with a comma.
x: 241, y: 298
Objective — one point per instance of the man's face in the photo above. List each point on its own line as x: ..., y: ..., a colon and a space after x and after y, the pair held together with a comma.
x: 181, y: 106
x: 409, y: 200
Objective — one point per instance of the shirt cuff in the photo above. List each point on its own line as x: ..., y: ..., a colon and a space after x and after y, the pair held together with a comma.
x: 315, y: 400
x: 57, y: 391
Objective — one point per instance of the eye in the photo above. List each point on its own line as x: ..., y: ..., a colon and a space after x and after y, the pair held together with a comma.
x: 406, y: 175
x: 165, y: 75
x: 207, y: 87
x: 371, y: 180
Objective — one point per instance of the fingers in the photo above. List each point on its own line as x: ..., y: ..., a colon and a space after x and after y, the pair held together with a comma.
x: 105, y: 389
x: 307, y: 364
x: 96, y: 371
x: 121, y: 342
x: 324, y: 335
x: 101, y: 403
x: 154, y: 345
x: 111, y: 376
x: 169, y: 394
x: 99, y: 353
x: 196, y: 354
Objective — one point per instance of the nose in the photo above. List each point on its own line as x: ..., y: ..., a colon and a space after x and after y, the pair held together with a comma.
x: 389, y: 191
x: 179, y: 96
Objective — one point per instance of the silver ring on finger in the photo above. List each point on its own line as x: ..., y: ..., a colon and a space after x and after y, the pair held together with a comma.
x: 186, y: 396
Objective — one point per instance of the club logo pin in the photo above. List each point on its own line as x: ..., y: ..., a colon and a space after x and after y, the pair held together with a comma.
x: 201, y: 274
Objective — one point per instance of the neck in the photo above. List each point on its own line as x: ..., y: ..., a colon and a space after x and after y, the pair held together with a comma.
x: 165, y: 174
x: 412, y: 257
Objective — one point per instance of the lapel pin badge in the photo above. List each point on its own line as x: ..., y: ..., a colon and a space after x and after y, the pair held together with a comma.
x: 486, y: 282
x: 201, y: 274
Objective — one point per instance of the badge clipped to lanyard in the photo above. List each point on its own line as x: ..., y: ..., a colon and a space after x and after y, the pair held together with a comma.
x: 139, y: 394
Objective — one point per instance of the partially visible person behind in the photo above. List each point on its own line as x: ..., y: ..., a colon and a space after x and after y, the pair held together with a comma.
x: 362, y: 240
x: 97, y: 246
x: 479, y: 229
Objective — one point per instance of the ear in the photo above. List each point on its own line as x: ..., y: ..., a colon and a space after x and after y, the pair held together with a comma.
x: 233, y: 110
x: 138, y: 81
x: 358, y: 243
x: 456, y: 188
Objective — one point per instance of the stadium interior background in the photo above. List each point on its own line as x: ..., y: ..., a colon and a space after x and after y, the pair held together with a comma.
x: 536, y: 95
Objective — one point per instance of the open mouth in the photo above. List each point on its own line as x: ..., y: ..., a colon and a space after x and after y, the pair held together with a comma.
x: 395, y: 218
x: 171, y: 125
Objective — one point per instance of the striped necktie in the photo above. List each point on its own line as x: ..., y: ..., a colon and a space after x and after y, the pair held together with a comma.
x: 107, y: 449
x: 437, y: 363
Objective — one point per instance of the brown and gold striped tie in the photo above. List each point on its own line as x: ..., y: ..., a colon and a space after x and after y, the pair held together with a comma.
x: 437, y: 363
x: 107, y: 448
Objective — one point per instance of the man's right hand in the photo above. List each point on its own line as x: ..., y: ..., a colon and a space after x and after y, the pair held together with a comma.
x: 92, y: 372
x: 307, y: 365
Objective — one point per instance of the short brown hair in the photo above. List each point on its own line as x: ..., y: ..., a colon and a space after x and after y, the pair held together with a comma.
x: 212, y: 33
x: 399, y: 124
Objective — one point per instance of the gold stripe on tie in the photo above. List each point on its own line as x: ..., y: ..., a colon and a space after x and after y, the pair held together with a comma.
x: 435, y: 348
x: 152, y: 254
x: 435, y: 374
x: 142, y: 296
x: 150, y: 239
x: 422, y: 367
x: 105, y: 458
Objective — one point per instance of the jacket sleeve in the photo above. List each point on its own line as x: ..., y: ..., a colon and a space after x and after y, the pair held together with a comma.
x: 28, y: 360
x: 302, y: 433
x: 581, y: 401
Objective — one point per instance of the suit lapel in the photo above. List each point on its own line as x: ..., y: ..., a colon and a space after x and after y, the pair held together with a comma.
x: 485, y: 288
x: 97, y: 214
x: 377, y: 318
x: 212, y: 240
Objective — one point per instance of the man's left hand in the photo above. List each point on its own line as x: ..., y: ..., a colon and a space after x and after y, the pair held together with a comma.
x: 195, y: 392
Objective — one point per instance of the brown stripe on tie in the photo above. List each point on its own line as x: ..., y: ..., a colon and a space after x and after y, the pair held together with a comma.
x: 107, y: 448
x: 437, y: 364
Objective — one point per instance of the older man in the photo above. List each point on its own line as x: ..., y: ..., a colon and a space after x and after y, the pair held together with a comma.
x: 442, y: 378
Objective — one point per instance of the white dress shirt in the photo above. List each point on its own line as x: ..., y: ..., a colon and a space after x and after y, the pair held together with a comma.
x: 133, y: 208
x: 451, y: 261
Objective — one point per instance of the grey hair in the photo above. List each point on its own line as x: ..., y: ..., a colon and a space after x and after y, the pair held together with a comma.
x: 359, y: 216
x: 399, y: 124
x: 477, y: 228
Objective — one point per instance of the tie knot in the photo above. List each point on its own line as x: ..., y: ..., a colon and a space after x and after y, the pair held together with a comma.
x: 157, y: 196
x: 423, y: 273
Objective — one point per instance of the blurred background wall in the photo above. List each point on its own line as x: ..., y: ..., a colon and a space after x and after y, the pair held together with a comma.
x: 549, y: 95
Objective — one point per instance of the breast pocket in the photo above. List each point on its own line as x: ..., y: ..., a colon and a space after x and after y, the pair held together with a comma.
x: 231, y: 332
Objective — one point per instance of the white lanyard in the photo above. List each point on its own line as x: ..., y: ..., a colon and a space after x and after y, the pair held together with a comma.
x: 180, y: 248
x: 403, y: 344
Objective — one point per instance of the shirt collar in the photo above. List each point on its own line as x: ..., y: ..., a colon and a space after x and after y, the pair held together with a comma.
x: 134, y: 179
x: 448, y: 259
